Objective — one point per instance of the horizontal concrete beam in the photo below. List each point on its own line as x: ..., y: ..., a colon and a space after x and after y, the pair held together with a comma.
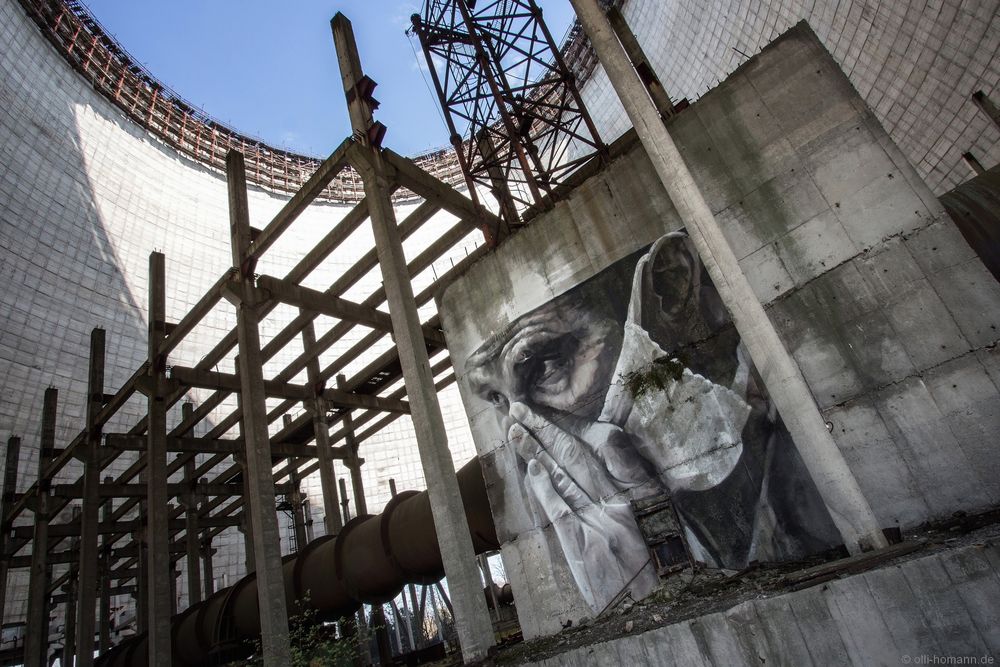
x: 70, y: 555
x: 327, y: 304
x: 109, y: 528
x: 116, y: 490
x: 203, y: 379
x: 137, y: 443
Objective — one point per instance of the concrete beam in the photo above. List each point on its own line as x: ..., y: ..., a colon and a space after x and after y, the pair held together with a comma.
x: 116, y: 490
x: 327, y: 304
x: 137, y: 443
x: 204, y: 379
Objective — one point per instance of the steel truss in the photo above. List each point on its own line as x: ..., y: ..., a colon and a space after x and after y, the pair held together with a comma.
x: 516, y: 118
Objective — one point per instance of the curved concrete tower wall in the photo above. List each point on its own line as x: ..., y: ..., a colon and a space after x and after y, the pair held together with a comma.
x: 85, y: 196
x: 916, y: 64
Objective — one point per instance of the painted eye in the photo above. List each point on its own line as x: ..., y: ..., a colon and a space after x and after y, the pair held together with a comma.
x: 497, y: 399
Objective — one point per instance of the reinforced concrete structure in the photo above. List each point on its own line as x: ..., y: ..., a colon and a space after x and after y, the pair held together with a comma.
x: 252, y: 364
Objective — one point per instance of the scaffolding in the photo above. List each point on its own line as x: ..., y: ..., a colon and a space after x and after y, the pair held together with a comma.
x: 134, y: 507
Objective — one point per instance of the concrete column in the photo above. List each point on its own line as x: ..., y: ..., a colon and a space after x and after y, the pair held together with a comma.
x: 413, y: 623
x: 353, y: 461
x: 142, y: 579
x: 69, y: 652
x: 298, y: 516
x: 258, y: 485
x: 70, y: 588
x: 191, y: 532
x: 344, y: 502
x: 207, y: 570
x: 246, y: 530
x: 317, y: 410
x: 91, y: 505
x: 9, y: 488
x: 206, y: 554
x: 475, y: 630
x: 37, y: 641
x: 782, y: 377
x: 381, y: 634
x: 104, y: 605
x: 160, y: 571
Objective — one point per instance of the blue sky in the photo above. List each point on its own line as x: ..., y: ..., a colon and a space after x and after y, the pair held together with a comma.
x: 269, y: 69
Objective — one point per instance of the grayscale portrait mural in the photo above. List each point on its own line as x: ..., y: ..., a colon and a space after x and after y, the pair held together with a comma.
x: 632, y: 384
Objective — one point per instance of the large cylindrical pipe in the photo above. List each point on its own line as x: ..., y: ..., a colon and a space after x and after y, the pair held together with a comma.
x: 370, y: 561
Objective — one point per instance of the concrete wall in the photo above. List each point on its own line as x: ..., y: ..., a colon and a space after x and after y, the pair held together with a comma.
x: 85, y: 196
x: 889, y: 314
x: 938, y: 607
x: 914, y: 63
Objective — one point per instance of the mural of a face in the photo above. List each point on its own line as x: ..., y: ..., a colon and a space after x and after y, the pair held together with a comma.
x: 558, y: 382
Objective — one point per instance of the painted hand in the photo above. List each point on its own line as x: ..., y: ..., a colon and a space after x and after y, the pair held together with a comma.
x: 571, y: 482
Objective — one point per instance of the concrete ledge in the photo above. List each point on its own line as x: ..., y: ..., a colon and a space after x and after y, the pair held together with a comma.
x: 939, y: 605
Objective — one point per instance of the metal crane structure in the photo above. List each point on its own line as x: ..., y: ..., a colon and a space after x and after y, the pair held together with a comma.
x: 511, y: 103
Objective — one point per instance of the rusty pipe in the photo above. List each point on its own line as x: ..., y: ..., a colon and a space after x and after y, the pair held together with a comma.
x: 369, y: 561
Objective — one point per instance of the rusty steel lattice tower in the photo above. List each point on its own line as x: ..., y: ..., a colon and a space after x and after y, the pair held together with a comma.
x: 512, y: 106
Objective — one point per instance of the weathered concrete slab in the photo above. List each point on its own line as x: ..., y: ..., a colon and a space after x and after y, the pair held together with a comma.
x: 941, y: 604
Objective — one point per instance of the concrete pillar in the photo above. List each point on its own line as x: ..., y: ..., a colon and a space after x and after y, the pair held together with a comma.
x: 208, y: 575
x: 413, y: 625
x: 344, y: 502
x: 381, y: 634
x: 782, y: 377
x: 11, y: 460
x: 475, y: 630
x: 160, y: 568
x: 142, y: 579
x: 484, y: 567
x: 69, y: 652
x: 258, y: 485
x: 295, y: 498
x: 104, y: 604
x: 91, y: 505
x: 36, y: 642
x: 246, y: 529
x: 191, y: 532
x: 353, y: 461
x: 206, y: 559
x: 70, y: 589
x: 317, y: 409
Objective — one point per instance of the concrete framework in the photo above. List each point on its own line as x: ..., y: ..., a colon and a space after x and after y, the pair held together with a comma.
x: 784, y: 381
x: 113, y: 540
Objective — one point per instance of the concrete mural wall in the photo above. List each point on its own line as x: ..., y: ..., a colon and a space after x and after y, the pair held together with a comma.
x: 556, y: 338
